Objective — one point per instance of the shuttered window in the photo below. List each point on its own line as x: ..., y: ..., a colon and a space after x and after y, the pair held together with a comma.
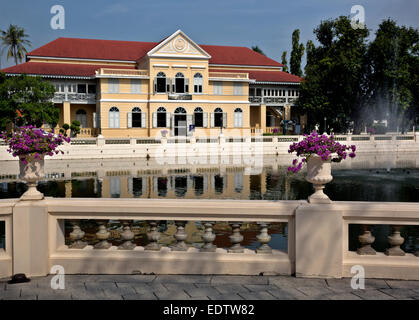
x: 113, y: 85
x: 218, y: 88
x: 135, y: 86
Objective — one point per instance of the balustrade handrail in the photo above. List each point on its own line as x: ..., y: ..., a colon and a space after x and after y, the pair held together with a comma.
x: 123, y: 72
x: 171, y: 209
x: 228, y: 75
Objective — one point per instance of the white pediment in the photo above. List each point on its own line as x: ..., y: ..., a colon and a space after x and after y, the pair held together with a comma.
x: 178, y: 45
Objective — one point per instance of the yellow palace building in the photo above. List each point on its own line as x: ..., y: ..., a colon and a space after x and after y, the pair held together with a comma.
x: 141, y: 89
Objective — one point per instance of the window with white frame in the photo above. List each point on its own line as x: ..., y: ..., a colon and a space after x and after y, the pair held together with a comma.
x: 238, y: 118
x: 115, y: 187
x: 113, y: 85
x: 114, y: 117
x: 135, y: 86
x: 238, y: 181
x: 72, y: 88
x: 197, y: 83
x: 218, y: 88
x: 237, y: 88
x: 59, y: 87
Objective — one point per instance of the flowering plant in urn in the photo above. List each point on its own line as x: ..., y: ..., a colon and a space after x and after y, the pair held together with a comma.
x: 31, y: 144
x: 318, y: 151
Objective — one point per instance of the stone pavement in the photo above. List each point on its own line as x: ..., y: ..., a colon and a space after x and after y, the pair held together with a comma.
x: 185, y: 287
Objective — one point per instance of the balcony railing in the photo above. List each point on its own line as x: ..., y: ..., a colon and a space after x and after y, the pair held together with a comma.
x: 59, y: 97
x: 229, y: 75
x: 271, y: 100
x: 123, y: 72
x: 253, y: 99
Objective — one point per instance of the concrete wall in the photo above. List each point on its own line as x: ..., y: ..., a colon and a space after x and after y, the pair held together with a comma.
x: 102, y: 148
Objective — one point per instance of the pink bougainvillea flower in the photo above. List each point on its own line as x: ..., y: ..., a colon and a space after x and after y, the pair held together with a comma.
x: 322, y: 145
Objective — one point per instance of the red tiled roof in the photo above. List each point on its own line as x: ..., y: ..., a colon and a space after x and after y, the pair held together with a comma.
x: 64, y: 69
x: 135, y: 50
x: 94, y: 49
x: 238, y: 56
x: 266, y: 76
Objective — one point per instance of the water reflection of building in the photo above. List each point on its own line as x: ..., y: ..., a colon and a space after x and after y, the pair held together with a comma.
x: 232, y: 183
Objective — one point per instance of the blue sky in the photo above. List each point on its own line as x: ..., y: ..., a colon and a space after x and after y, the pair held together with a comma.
x: 266, y: 23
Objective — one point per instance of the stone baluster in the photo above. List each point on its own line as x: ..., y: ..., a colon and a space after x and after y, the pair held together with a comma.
x: 180, y: 237
x: 395, y: 240
x: 236, y: 238
x: 102, y: 235
x: 127, y: 236
x: 76, y: 235
x: 153, y: 236
x: 208, y: 237
x: 263, y: 237
x: 366, y: 239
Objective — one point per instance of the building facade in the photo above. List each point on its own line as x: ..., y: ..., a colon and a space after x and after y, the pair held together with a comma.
x: 175, y: 87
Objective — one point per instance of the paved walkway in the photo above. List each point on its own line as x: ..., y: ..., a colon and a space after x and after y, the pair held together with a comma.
x: 151, y: 287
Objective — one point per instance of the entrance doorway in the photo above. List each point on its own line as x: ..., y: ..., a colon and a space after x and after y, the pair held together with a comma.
x: 179, y: 122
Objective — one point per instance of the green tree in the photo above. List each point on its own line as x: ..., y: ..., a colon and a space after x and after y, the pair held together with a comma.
x: 258, y: 50
x: 284, y: 61
x: 310, y: 55
x: 335, y: 75
x: 392, y: 75
x: 27, y: 100
x: 297, y: 53
x: 75, y: 127
x: 14, y: 40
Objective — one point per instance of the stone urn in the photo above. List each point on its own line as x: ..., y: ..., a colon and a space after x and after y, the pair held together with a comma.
x: 32, y: 172
x: 318, y: 173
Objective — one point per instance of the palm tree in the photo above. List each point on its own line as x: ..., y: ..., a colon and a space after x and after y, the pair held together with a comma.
x: 13, y: 39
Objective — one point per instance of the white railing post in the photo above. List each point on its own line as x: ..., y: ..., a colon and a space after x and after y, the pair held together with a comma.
x: 30, y: 238
x: 318, y: 241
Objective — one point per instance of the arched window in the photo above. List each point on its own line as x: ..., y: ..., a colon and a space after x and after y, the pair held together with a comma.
x: 180, y: 110
x: 180, y: 83
x: 238, y: 118
x: 199, y: 117
x: 114, y: 117
x: 219, y: 117
x: 136, y: 117
x: 197, y: 83
x: 81, y: 116
x: 160, y: 83
x: 161, y: 118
